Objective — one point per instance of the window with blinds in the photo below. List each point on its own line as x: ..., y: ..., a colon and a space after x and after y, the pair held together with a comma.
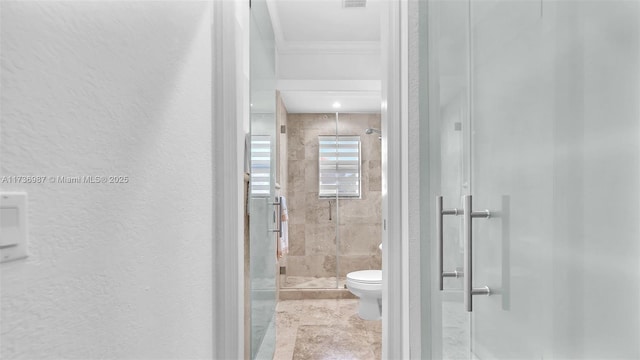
x: 260, y: 165
x: 339, y: 166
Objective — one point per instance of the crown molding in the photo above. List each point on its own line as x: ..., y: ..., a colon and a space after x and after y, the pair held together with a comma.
x: 329, y: 47
x: 275, y: 21
x: 357, y: 86
x: 311, y: 47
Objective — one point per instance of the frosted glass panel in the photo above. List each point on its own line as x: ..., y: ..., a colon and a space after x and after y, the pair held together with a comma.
x: 262, y: 216
x: 448, y: 150
x: 548, y: 138
x: 556, y: 154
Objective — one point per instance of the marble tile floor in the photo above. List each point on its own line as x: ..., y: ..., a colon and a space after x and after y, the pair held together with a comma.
x: 310, y: 282
x: 325, y: 329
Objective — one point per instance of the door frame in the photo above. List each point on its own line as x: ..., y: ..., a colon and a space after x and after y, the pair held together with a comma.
x: 230, y: 89
x: 230, y: 103
x: 396, y: 319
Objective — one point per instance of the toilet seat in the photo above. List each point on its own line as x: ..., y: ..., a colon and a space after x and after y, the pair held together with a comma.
x: 367, y: 285
x: 366, y: 276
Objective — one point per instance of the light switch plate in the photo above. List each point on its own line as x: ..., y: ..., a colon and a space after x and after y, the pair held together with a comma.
x: 13, y: 226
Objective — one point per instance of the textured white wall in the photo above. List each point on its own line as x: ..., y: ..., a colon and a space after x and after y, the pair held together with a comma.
x: 109, y: 88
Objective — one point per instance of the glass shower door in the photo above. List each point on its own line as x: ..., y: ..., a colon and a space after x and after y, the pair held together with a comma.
x: 264, y: 216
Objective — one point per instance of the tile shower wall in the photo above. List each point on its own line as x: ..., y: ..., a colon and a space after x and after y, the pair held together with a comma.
x: 312, y: 235
x: 281, y: 144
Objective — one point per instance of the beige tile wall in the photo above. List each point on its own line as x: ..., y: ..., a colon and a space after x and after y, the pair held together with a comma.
x: 312, y: 235
x: 281, y: 144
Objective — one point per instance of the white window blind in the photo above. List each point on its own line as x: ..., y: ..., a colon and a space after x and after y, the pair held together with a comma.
x: 260, y: 165
x: 339, y: 166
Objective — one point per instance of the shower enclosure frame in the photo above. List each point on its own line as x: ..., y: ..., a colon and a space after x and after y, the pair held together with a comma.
x: 334, y: 201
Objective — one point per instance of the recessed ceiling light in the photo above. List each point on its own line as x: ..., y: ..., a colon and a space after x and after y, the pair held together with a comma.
x: 336, y: 105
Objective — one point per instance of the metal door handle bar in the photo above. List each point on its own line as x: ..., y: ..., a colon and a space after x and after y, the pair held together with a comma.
x: 440, y: 213
x: 278, y: 203
x: 469, y: 290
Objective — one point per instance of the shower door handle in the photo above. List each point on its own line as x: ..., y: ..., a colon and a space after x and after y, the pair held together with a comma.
x: 440, y: 213
x: 278, y: 203
x: 469, y: 290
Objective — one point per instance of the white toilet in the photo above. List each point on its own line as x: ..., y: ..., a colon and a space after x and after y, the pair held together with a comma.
x: 367, y: 285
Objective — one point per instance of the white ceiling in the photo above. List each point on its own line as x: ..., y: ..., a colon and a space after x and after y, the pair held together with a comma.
x: 327, y: 20
x: 327, y: 54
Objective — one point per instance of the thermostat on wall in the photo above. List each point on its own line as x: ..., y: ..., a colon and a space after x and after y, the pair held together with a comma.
x: 13, y: 226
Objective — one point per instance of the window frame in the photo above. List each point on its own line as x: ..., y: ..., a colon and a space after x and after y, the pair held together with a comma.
x: 337, y: 194
x: 260, y: 185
